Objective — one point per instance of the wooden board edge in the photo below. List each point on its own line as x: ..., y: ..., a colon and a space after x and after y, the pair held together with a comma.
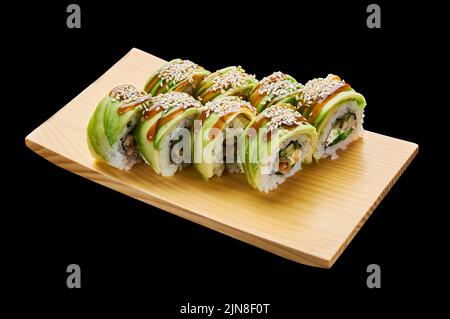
x: 376, y: 203
x: 112, y: 183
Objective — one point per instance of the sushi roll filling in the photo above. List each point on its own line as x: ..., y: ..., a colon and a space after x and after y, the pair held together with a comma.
x: 129, y: 146
x: 130, y: 98
x: 289, y: 157
x: 164, y: 133
x: 342, y: 128
x: 230, y: 116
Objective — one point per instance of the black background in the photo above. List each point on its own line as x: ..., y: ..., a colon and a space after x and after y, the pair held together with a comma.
x: 135, y: 257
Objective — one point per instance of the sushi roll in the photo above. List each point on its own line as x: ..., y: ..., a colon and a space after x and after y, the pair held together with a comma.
x: 277, y: 142
x: 216, y: 141
x: 109, y: 132
x: 336, y: 110
x: 176, y: 75
x: 163, y: 135
x: 275, y: 88
x: 226, y: 82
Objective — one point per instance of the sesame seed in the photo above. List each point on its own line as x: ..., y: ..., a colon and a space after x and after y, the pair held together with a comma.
x: 174, y: 99
x: 126, y: 93
x: 227, y: 105
x: 277, y: 84
x: 319, y: 89
x: 282, y: 114
x: 177, y: 71
x: 231, y: 80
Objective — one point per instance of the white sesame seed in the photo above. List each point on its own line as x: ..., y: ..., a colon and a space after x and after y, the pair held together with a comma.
x: 177, y: 71
x: 281, y: 114
x: 319, y: 89
x: 126, y: 93
x: 174, y: 99
x: 277, y: 84
x: 231, y: 80
x: 227, y: 105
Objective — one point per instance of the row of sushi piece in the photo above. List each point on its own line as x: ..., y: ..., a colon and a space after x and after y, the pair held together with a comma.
x: 226, y: 120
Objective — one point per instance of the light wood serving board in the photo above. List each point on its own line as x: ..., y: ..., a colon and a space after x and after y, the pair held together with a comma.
x: 310, y: 218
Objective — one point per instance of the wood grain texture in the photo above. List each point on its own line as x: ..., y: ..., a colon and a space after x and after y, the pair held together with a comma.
x: 310, y: 218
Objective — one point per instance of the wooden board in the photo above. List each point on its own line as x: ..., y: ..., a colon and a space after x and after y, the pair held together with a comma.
x: 310, y: 218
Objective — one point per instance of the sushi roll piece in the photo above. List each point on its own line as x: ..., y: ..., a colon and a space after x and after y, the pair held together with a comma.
x: 109, y: 131
x: 217, y: 140
x: 163, y: 135
x: 336, y: 110
x: 275, y: 88
x: 229, y: 81
x: 277, y: 142
x: 176, y: 75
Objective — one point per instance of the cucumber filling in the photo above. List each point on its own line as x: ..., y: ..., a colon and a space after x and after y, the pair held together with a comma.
x: 288, y: 157
x: 342, y: 128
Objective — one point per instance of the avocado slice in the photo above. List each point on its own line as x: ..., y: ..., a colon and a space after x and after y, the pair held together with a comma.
x: 206, y: 169
x: 338, y: 98
x: 97, y: 139
x: 115, y: 124
x: 254, y: 147
x: 146, y: 147
x: 168, y: 127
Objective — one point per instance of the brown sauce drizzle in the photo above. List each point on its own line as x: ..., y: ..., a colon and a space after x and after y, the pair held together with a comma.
x: 202, y: 116
x: 151, y: 112
x: 162, y: 89
x: 264, y: 120
x: 183, y: 86
x: 209, y: 95
x: 167, y: 118
x: 151, y: 132
x: 257, y: 125
x: 256, y: 98
x: 220, y: 124
x: 161, y: 121
x: 152, y: 83
x: 317, y: 108
x: 132, y: 105
x: 290, y: 95
x: 260, y: 123
x: 222, y: 121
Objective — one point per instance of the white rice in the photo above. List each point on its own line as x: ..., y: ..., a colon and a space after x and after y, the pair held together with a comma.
x: 236, y: 124
x: 266, y: 181
x: 217, y: 160
x: 169, y: 167
x: 219, y: 164
x: 118, y: 156
x: 339, y: 111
